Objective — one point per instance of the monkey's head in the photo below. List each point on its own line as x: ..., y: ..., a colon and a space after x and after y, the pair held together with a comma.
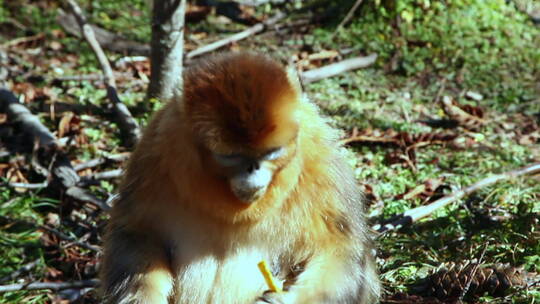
x: 242, y: 109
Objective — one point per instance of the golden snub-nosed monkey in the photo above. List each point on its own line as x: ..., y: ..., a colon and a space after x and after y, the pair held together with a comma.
x: 239, y: 169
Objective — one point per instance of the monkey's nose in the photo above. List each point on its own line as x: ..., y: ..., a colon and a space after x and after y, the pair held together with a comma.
x: 254, y: 166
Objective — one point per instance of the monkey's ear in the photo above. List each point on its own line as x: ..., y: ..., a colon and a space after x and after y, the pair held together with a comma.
x: 294, y: 79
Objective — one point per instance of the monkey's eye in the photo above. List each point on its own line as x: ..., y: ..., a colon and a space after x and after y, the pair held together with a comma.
x: 230, y: 160
x: 274, y: 154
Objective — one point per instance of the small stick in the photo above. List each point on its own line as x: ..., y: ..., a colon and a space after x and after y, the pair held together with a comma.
x: 338, y: 68
x: 115, y: 173
x: 268, y: 277
x: 28, y: 185
x: 101, y: 160
x: 413, y: 215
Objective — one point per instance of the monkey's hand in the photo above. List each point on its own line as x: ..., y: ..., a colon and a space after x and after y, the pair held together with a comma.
x: 270, y: 297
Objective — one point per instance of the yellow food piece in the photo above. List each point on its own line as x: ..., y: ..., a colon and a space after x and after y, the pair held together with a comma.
x: 268, y: 277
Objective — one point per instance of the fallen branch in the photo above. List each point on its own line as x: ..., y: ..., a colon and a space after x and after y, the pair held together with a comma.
x: 415, y: 214
x: 338, y: 68
x: 19, y: 114
x: 236, y: 37
x: 128, y: 125
x: 62, y: 172
x: 55, y: 286
x: 110, y: 41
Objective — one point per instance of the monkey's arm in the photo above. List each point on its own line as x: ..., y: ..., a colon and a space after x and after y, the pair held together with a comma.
x: 135, y: 269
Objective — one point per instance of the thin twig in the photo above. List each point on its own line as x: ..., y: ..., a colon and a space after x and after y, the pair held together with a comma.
x: 259, y: 27
x: 338, y: 68
x: 68, y: 238
x: 127, y: 124
x: 348, y: 17
x: 50, y: 285
x: 116, y: 173
x: 415, y: 214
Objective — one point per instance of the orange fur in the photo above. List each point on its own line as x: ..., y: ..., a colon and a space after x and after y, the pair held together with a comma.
x: 181, y: 211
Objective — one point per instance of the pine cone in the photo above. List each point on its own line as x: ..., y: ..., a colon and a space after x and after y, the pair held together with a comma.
x: 451, y: 280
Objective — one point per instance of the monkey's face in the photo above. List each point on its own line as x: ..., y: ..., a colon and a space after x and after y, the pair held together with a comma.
x: 242, y: 112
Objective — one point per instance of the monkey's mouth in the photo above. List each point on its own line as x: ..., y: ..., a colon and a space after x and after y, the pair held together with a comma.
x: 249, y: 195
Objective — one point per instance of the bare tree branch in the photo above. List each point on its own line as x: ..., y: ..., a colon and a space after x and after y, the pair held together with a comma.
x: 19, y: 114
x: 62, y: 172
x: 49, y: 285
x: 236, y: 37
x: 168, y: 17
x: 338, y: 68
x: 127, y: 124
x: 415, y: 214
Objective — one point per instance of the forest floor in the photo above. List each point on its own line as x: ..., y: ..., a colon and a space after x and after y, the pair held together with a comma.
x: 408, y: 148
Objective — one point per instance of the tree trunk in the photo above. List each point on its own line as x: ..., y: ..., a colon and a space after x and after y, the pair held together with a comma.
x: 167, y: 48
